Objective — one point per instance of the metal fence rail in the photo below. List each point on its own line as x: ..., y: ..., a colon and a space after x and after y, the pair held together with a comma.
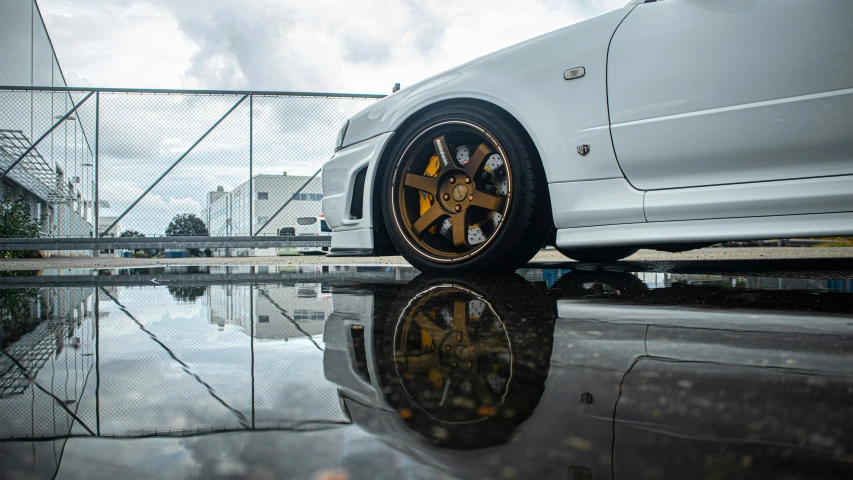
x: 110, y: 162
x: 160, y: 243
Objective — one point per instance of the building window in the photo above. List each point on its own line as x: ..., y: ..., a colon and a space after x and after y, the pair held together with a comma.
x: 263, y: 319
x: 262, y: 220
x: 263, y: 196
x: 308, y: 315
x: 308, y: 196
x: 306, y: 290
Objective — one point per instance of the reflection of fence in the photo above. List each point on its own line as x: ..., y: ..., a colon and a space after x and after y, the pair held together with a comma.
x: 167, y: 360
x: 246, y: 163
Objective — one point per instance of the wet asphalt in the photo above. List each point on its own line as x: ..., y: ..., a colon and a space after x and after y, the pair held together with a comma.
x: 637, y: 369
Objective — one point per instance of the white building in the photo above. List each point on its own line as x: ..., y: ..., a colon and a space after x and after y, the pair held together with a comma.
x: 227, y: 213
x: 274, y: 313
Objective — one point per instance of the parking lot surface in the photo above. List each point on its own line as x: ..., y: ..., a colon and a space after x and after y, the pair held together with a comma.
x: 655, y: 368
x: 548, y: 257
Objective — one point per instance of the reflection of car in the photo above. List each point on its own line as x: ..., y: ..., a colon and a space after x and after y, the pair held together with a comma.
x: 624, y: 382
x: 312, y: 226
x: 663, y: 124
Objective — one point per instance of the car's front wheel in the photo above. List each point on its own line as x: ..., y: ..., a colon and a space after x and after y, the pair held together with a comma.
x: 465, y: 192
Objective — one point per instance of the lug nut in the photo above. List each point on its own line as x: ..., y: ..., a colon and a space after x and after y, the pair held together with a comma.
x: 453, y: 364
x: 447, y: 348
x: 471, y: 197
x: 470, y: 364
x: 458, y: 208
x: 446, y: 196
x: 452, y: 180
x: 467, y: 180
x: 459, y: 337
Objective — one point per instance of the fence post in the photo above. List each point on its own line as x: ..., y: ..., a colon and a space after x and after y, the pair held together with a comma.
x: 97, y: 211
x: 251, y: 182
x: 97, y: 359
x: 252, y: 340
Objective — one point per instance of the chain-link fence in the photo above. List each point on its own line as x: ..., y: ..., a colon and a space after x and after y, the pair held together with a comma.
x: 126, y: 162
x: 131, y: 361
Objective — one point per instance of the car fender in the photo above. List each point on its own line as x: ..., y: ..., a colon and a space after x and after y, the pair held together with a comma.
x: 526, y: 80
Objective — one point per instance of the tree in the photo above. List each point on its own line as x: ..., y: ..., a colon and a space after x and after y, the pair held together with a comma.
x: 131, y: 233
x: 16, y: 306
x: 185, y: 224
x: 187, y: 294
x: 16, y: 222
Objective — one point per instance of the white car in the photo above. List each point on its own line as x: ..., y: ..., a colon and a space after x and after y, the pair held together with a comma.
x: 668, y: 125
x: 306, y: 226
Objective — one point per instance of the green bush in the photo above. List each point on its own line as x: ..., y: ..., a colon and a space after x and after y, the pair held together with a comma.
x: 16, y: 222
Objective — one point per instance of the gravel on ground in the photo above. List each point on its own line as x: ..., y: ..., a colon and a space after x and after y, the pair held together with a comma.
x: 548, y: 256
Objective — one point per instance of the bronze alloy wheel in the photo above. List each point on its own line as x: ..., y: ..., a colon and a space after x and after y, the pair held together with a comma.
x: 450, y: 192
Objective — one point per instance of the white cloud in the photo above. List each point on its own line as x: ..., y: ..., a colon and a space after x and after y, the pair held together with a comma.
x: 330, y: 45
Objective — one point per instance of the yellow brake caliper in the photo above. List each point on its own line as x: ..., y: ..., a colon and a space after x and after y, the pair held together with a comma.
x: 426, y: 199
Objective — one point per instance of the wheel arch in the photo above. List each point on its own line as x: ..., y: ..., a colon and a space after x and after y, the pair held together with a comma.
x: 381, y: 238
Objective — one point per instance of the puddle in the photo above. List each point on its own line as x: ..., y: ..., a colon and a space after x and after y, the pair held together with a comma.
x: 380, y: 372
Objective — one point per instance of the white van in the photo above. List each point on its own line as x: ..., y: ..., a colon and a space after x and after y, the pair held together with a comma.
x: 312, y: 226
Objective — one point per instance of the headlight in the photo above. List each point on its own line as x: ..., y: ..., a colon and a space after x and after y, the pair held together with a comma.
x: 341, y: 134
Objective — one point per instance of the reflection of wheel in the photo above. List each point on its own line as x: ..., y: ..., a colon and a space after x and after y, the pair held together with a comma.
x: 461, y: 366
x: 461, y: 193
x: 598, y: 255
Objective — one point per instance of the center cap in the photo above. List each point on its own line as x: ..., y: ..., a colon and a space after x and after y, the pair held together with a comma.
x: 461, y: 352
x: 460, y: 192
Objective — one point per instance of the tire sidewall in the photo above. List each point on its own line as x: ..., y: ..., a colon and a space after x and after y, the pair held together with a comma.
x: 489, y: 258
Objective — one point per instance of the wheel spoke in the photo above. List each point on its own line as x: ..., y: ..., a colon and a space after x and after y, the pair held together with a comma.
x: 422, y: 183
x: 460, y: 230
x: 473, y: 166
x: 448, y: 389
x: 428, y: 218
x: 491, y: 345
x: 460, y: 316
x: 434, y: 331
x: 482, y: 391
x: 419, y: 363
x: 489, y: 202
x: 444, y: 154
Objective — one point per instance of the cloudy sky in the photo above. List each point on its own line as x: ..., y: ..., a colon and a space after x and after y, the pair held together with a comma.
x: 359, y: 46
x: 356, y: 46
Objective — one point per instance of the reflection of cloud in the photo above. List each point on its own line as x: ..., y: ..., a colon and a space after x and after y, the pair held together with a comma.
x: 142, y: 387
x: 256, y: 455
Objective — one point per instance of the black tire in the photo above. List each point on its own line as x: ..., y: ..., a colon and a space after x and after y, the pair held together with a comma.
x: 527, y: 221
x: 599, y: 255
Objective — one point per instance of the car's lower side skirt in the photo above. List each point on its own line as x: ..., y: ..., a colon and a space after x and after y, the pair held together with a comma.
x: 712, y: 230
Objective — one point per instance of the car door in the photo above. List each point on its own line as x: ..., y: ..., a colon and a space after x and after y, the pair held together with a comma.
x: 732, y: 91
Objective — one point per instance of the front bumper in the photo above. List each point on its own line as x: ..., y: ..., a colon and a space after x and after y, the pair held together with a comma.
x: 348, y: 233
